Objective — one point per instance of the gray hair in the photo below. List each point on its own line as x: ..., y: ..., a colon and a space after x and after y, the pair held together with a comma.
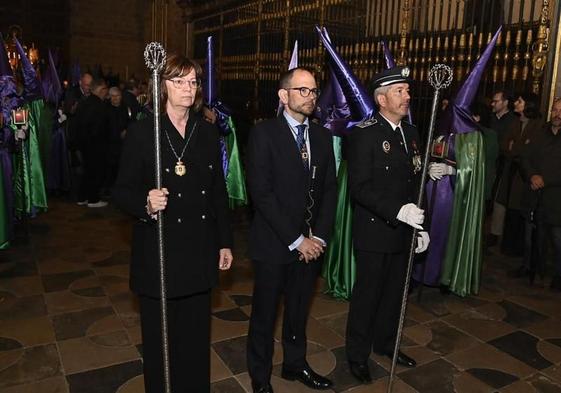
x: 114, y: 90
x: 380, y: 90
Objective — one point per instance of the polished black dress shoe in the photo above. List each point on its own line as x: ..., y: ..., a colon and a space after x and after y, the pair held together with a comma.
x: 361, y: 372
x: 402, y: 359
x: 308, y: 377
x: 262, y: 388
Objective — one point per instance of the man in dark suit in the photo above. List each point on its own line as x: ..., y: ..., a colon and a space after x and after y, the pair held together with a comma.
x: 93, y: 129
x: 384, y: 167
x: 291, y: 176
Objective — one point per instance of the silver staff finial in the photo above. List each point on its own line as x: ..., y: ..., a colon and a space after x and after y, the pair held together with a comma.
x: 155, y: 56
x: 440, y: 76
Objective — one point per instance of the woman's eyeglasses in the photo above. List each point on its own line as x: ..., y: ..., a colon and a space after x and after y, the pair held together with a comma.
x: 182, y: 83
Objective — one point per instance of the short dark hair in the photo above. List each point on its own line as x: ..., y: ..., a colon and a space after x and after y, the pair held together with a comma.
x: 506, y: 95
x: 131, y: 84
x: 286, y: 76
x: 531, y: 105
x: 96, y: 82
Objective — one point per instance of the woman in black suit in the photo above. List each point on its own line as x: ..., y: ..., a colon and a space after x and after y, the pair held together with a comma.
x: 197, y: 231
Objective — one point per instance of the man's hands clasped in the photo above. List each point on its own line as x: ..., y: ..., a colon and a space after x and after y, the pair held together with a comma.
x: 310, y: 249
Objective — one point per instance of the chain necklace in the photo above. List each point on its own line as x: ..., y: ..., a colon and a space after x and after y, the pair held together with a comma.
x: 180, y: 169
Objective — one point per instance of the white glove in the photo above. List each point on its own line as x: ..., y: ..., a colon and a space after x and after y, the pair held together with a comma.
x: 437, y: 170
x: 423, y: 241
x: 411, y: 215
x: 61, y: 116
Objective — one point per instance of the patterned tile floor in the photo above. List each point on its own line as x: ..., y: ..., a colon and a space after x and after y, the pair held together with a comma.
x: 68, y: 322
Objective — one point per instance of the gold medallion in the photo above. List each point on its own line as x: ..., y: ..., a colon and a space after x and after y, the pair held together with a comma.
x: 180, y: 168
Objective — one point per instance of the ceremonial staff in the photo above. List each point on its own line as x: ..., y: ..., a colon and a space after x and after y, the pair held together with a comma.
x: 440, y: 77
x: 155, y: 59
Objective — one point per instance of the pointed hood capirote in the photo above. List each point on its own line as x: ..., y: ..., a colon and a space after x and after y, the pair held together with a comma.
x: 388, y: 57
x: 360, y: 103
x: 31, y: 84
x: 460, y: 118
x: 52, y: 89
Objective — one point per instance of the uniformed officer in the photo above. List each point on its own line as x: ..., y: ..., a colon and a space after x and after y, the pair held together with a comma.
x: 197, y: 233
x: 384, y: 171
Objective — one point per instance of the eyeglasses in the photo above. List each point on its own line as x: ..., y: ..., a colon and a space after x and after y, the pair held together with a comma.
x: 305, y: 91
x: 182, y: 83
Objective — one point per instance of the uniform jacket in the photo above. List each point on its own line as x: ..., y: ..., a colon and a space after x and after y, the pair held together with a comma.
x: 542, y: 156
x: 382, y: 178
x: 279, y: 184
x: 196, y: 219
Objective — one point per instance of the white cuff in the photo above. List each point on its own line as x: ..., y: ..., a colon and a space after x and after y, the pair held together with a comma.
x: 296, y: 243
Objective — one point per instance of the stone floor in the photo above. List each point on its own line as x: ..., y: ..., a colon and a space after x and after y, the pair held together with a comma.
x: 68, y: 322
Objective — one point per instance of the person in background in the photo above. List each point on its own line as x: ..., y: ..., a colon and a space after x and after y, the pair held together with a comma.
x: 130, y: 99
x: 512, y: 184
x: 541, y: 168
x: 502, y: 120
x: 92, y: 139
x: 118, y: 122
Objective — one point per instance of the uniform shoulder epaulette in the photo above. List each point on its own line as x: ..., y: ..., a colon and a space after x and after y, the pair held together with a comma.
x: 367, y: 123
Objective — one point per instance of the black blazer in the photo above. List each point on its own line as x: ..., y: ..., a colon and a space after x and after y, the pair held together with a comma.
x: 279, y: 185
x: 382, y: 178
x: 196, y: 219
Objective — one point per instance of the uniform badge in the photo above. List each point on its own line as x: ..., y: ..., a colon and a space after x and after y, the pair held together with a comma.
x: 405, y: 72
x: 386, y: 146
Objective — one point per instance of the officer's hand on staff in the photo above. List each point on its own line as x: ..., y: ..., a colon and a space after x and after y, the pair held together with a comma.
x: 423, y: 241
x: 411, y: 215
x: 157, y: 200
x: 225, y: 260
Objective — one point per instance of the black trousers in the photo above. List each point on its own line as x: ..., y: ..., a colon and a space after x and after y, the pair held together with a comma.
x: 296, y: 281
x: 375, y: 304
x: 189, y: 343
x: 94, y: 162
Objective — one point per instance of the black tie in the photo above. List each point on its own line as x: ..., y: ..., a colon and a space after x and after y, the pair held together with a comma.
x: 402, y: 139
x: 301, y: 142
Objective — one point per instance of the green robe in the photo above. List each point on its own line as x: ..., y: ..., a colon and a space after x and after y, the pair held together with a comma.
x: 339, y: 269
x: 30, y: 195
x: 461, y: 267
x: 235, y: 179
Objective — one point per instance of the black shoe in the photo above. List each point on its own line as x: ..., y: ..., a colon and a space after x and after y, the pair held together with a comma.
x: 556, y: 283
x: 262, y: 388
x: 520, y: 272
x: 308, y: 377
x: 402, y: 359
x: 361, y: 372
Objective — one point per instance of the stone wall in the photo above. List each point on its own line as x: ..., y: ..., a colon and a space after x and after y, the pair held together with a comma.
x: 109, y: 33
